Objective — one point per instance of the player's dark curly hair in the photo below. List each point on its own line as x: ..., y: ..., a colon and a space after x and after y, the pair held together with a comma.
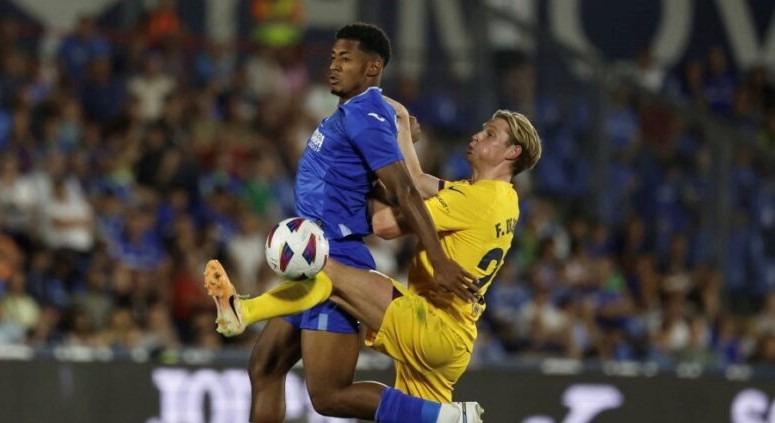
x: 371, y: 37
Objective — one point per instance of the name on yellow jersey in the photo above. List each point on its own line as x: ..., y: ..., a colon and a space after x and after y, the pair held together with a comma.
x: 510, y: 225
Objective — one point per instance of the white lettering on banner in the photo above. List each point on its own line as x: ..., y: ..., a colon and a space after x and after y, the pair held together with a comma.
x: 412, y: 36
x: 750, y: 406
x: 585, y: 401
x: 741, y: 31
x: 668, y: 45
x: 668, y: 42
x: 674, y: 29
x: 184, y: 395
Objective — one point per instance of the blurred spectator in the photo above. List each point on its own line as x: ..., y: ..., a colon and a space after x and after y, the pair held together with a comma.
x: 138, y: 246
x: 18, y: 199
x: 81, y: 331
x: 264, y: 72
x: 540, y: 322
x: 649, y: 73
x: 103, y: 93
x: 203, y: 335
x: 161, y: 22
x: 487, y: 349
x: 11, y: 259
x: 66, y: 218
x: 122, y: 331
x: 766, y: 135
x: 95, y: 301
x: 765, y: 350
x: 18, y: 306
x: 687, y: 85
x: 697, y: 349
x: 258, y: 190
x: 761, y: 89
x: 214, y: 65
x: 728, y: 341
x: 80, y: 48
x: 11, y: 331
x: 151, y: 87
x: 720, y: 82
x: 245, y: 251
x: 159, y: 333
x: 49, y: 331
x: 277, y: 23
x: 765, y: 320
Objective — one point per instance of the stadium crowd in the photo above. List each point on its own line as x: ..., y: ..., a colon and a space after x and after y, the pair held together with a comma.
x: 126, y: 164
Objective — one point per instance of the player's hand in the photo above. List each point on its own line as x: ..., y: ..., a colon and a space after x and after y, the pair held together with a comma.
x: 415, y: 129
x: 451, y: 277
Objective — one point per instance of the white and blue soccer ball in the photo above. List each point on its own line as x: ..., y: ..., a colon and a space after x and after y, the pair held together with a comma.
x: 296, y: 248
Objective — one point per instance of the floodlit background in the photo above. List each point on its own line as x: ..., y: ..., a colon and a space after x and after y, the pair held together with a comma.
x: 140, y: 138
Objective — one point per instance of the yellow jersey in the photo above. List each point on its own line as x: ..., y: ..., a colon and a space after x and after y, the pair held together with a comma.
x: 476, y: 223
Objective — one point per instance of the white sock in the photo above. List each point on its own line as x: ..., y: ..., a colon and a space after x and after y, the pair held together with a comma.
x: 448, y: 414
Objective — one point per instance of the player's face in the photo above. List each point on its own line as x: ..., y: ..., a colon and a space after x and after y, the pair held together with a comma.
x: 490, y: 145
x: 351, y: 70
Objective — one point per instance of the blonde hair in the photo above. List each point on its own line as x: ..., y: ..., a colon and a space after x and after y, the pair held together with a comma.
x: 523, y: 134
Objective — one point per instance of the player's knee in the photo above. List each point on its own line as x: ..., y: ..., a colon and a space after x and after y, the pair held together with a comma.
x: 261, y: 371
x: 257, y: 375
x: 324, y: 402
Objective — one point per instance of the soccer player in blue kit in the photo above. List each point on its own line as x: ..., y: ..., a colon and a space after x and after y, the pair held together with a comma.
x: 343, y: 159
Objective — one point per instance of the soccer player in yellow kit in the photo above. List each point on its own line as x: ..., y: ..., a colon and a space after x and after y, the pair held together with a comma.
x: 430, y: 333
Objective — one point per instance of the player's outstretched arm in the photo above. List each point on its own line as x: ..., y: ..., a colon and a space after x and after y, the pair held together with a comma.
x: 408, y: 131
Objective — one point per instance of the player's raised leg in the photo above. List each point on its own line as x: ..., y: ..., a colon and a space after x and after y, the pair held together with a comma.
x: 235, y: 313
x: 277, y: 349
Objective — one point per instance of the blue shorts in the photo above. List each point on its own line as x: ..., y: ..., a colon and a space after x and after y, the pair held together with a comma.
x: 328, y: 316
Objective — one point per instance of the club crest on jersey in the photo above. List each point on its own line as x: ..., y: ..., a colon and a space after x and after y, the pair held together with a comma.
x: 316, y: 140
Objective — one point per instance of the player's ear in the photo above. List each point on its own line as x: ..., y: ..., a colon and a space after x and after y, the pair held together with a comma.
x: 374, y: 67
x: 513, y: 152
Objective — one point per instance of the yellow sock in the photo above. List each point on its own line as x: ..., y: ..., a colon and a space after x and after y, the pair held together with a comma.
x: 290, y: 297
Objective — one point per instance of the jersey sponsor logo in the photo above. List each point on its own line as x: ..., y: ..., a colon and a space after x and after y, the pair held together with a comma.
x: 443, y: 203
x: 316, y: 140
x: 456, y: 189
x: 376, y: 116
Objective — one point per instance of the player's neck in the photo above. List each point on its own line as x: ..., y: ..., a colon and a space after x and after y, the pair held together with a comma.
x: 490, y: 175
x: 372, y: 83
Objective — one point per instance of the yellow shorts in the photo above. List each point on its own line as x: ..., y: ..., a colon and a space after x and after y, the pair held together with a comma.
x: 430, y: 354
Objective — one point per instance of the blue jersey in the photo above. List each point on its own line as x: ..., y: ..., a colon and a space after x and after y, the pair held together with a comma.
x: 333, y: 180
x: 337, y: 169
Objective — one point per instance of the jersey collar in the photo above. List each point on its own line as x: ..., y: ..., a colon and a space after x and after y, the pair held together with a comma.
x: 379, y: 90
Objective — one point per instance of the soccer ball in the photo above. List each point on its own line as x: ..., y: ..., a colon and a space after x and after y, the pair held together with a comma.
x: 296, y: 248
